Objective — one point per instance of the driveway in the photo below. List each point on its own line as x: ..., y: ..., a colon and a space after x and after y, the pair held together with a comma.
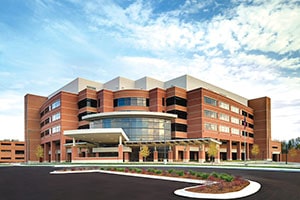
x: 35, y: 183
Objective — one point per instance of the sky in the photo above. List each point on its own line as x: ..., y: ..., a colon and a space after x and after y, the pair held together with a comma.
x: 249, y: 47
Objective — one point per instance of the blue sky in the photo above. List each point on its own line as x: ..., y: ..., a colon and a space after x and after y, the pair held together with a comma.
x: 249, y: 47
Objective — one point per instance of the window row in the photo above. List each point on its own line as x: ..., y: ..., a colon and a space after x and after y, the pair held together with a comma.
x: 54, y: 105
x: 54, y: 117
x: 225, y: 117
x: 55, y: 129
x: 226, y: 129
x: 213, y: 102
x: 131, y: 101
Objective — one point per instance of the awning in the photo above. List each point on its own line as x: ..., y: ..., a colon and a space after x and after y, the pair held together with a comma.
x: 98, y: 135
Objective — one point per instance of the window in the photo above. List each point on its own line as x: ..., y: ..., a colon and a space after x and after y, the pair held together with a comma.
x: 163, y: 101
x: 244, y: 133
x: 19, y: 152
x: 250, y: 125
x: 224, y: 105
x: 209, y: 126
x: 176, y: 101
x: 179, y: 127
x: 224, y: 129
x: 251, y: 135
x: 56, y: 104
x: 234, y: 109
x: 210, y: 101
x: 7, y: 151
x: 235, y: 120
x: 244, y: 113
x: 131, y: 101
x: 179, y: 113
x: 224, y: 117
x: 250, y: 116
x: 235, y: 131
x: 209, y: 113
x: 6, y: 144
x: 87, y: 103
x: 56, y: 116
x: 56, y: 129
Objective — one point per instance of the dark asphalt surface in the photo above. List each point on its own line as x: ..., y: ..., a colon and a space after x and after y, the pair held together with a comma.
x: 35, y: 183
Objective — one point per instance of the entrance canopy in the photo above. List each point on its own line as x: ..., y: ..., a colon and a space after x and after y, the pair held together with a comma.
x: 98, y: 135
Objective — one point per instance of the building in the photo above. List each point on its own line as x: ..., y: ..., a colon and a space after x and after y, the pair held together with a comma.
x: 87, y: 121
x: 12, y: 151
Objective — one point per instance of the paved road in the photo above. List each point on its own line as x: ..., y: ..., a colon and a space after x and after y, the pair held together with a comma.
x: 35, y: 183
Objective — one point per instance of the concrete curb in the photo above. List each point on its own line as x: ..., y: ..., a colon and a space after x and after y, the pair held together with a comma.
x: 252, y: 188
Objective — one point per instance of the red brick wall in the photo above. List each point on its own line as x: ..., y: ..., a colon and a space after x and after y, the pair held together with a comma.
x: 33, y: 103
x: 262, y: 125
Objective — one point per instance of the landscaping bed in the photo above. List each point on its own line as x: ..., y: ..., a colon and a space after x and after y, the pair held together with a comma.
x: 215, y: 183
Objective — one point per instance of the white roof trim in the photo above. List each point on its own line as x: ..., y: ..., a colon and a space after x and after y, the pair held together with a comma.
x: 161, y: 115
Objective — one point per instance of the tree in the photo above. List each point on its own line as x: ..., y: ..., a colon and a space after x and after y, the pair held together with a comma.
x: 145, y: 152
x: 255, y: 150
x: 212, y: 150
x: 293, y: 152
x: 39, y: 152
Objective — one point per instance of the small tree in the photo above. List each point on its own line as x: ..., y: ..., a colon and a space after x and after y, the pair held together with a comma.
x: 255, y: 150
x: 212, y: 151
x: 145, y: 152
x: 293, y: 152
x: 39, y: 152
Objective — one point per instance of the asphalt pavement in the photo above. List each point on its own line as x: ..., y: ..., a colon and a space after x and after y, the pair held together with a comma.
x: 36, y: 183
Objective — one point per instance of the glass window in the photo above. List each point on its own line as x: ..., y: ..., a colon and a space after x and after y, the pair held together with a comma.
x: 56, y: 116
x: 234, y: 109
x: 235, y: 131
x: 224, y: 117
x: 179, y: 113
x: 209, y: 113
x: 209, y: 126
x: 56, y: 129
x: 56, y: 104
x: 224, y: 105
x: 138, y: 128
x: 176, y: 101
x: 224, y: 129
x: 210, y: 101
x: 235, y: 120
x: 131, y: 101
x: 87, y: 103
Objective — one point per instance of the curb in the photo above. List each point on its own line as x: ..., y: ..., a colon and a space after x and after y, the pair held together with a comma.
x: 252, y: 188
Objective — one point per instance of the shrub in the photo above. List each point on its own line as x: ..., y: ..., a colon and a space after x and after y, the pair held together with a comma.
x: 158, y: 171
x: 138, y: 170
x: 202, y: 175
x: 151, y: 170
x: 193, y: 173
x: 180, y: 173
x: 170, y: 171
x: 226, y: 177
